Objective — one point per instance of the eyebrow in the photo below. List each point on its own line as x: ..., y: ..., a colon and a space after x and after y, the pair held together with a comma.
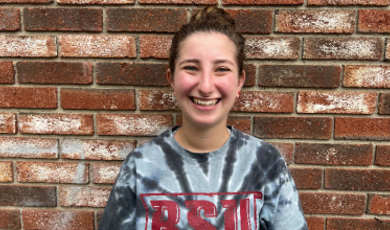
x: 190, y: 61
x: 218, y: 61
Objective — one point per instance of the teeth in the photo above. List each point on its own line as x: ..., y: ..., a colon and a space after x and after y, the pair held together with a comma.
x: 205, y: 102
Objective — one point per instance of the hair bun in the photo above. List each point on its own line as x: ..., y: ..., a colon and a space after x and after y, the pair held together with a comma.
x: 214, y: 17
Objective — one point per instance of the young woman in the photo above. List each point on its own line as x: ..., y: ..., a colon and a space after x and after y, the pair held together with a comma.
x: 204, y: 174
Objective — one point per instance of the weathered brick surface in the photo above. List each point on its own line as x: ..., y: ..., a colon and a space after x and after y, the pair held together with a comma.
x: 26, y: 1
x: 98, y: 99
x: 307, y: 178
x: 64, y: 124
x: 27, y: 46
x: 157, y: 100
x: 145, y: 20
x: 8, y: 123
x: 138, y: 74
x: 315, y: 223
x: 346, y: 48
x: 7, y: 72
x: 315, y: 21
x: 50, y: 219
x: 83, y: 196
x: 250, y: 75
x: 100, y: 46
x: 6, y: 171
x: 187, y: 2
x: 272, y: 47
x: 357, y: 179
x: 293, y: 127
x: 333, y: 154
x: 362, y: 128
x: 52, y: 172
x: 153, y: 46
x: 104, y: 173
x: 285, y: 149
x: 382, y: 156
x: 34, y: 196
x: 10, y: 19
x: 55, y: 72
x: 266, y: 102
x: 333, y: 223
x: 365, y: 76
x: 307, y: 76
x: 348, y: 2
x: 95, y: 2
x: 336, y: 102
x: 379, y: 204
x: 99, y: 215
x: 262, y: 2
x: 133, y: 124
x: 374, y: 21
x: 9, y: 219
x: 253, y: 21
x: 96, y: 149
x: 384, y: 103
x: 333, y: 203
x: 63, y: 19
x: 27, y: 97
x: 388, y: 49
x: 22, y: 147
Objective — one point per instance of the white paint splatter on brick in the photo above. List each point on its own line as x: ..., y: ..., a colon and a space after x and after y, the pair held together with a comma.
x: 5, y: 119
x: 23, y: 46
x: 105, y: 173
x: 84, y: 196
x: 137, y: 125
x: 28, y: 147
x: 367, y: 76
x: 95, y: 1
x: 80, y: 174
x: 349, y: 48
x: 270, y: 48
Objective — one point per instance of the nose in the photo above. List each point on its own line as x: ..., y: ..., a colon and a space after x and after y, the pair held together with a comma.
x: 206, y: 83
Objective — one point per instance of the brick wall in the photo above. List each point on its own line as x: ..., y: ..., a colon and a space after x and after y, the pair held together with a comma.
x: 82, y: 83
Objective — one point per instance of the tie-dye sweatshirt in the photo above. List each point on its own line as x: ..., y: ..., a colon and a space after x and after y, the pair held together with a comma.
x: 243, y: 185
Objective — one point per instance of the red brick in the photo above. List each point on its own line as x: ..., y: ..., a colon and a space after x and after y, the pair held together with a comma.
x: 133, y: 124
x: 264, y: 102
x: 145, y: 20
x: 333, y: 154
x: 63, y: 19
x: 348, y: 2
x: 95, y: 2
x: 27, y: 46
x: 272, y: 48
x: 7, y: 72
x: 27, y: 97
x: 98, y: 46
x: 357, y: 179
x: 84, y: 196
x: 10, y: 19
x: 98, y: 99
x: 346, y: 48
x: 315, y: 223
x: 8, y: 123
x: 333, y: 203
x: 365, y: 76
x: 9, y: 219
x: 22, y: 147
x: 333, y: 223
x: 26, y: 1
x: 52, y: 219
x: 96, y: 149
x: 293, y: 127
x: 138, y: 74
x: 253, y: 21
x: 374, y: 21
x: 382, y: 157
x: 388, y: 49
x: 250, y: 75
x: 63, y: 124
x: 285, y: 149
x: 307, y: 178
x: 241, y: 123
x: 153, y: 46
x: 157, y: 100
x: 315, y: 21
x: 34, y: 196
x: 384, y: 103
x: 362, y: 128
x: 55, y: 72
x: 379, y: 204
x: 6, y: 171
x: 180, y: 2
x: 262, y: 2
x: 52, y: 172
x: 336, y: 102
x: 104, y: 173
x: 306, y: 76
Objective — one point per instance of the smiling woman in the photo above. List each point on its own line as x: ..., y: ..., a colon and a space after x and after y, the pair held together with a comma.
x: 205, y: 174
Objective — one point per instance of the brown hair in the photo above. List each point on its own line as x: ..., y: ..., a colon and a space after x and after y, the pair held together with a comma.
x: 210, y: 19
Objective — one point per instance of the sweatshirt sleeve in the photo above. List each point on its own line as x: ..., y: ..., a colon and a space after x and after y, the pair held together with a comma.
x: 120, y: 210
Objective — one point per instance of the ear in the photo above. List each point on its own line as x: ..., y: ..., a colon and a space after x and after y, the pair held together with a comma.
x: 170, y: 77
x: 241, y: 81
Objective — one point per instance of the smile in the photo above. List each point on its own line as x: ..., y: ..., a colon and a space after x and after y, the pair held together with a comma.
x: 205, y: 102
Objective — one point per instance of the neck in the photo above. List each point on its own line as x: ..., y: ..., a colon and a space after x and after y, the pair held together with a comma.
x: 202, y: 139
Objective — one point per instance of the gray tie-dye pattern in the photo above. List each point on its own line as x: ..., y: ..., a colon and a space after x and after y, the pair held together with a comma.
x: 243, y: 169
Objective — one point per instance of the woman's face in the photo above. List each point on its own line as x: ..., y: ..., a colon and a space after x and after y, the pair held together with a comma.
x: 206, y: 80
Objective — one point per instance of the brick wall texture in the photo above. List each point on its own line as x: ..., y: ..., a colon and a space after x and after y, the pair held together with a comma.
x: 82, y: 83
